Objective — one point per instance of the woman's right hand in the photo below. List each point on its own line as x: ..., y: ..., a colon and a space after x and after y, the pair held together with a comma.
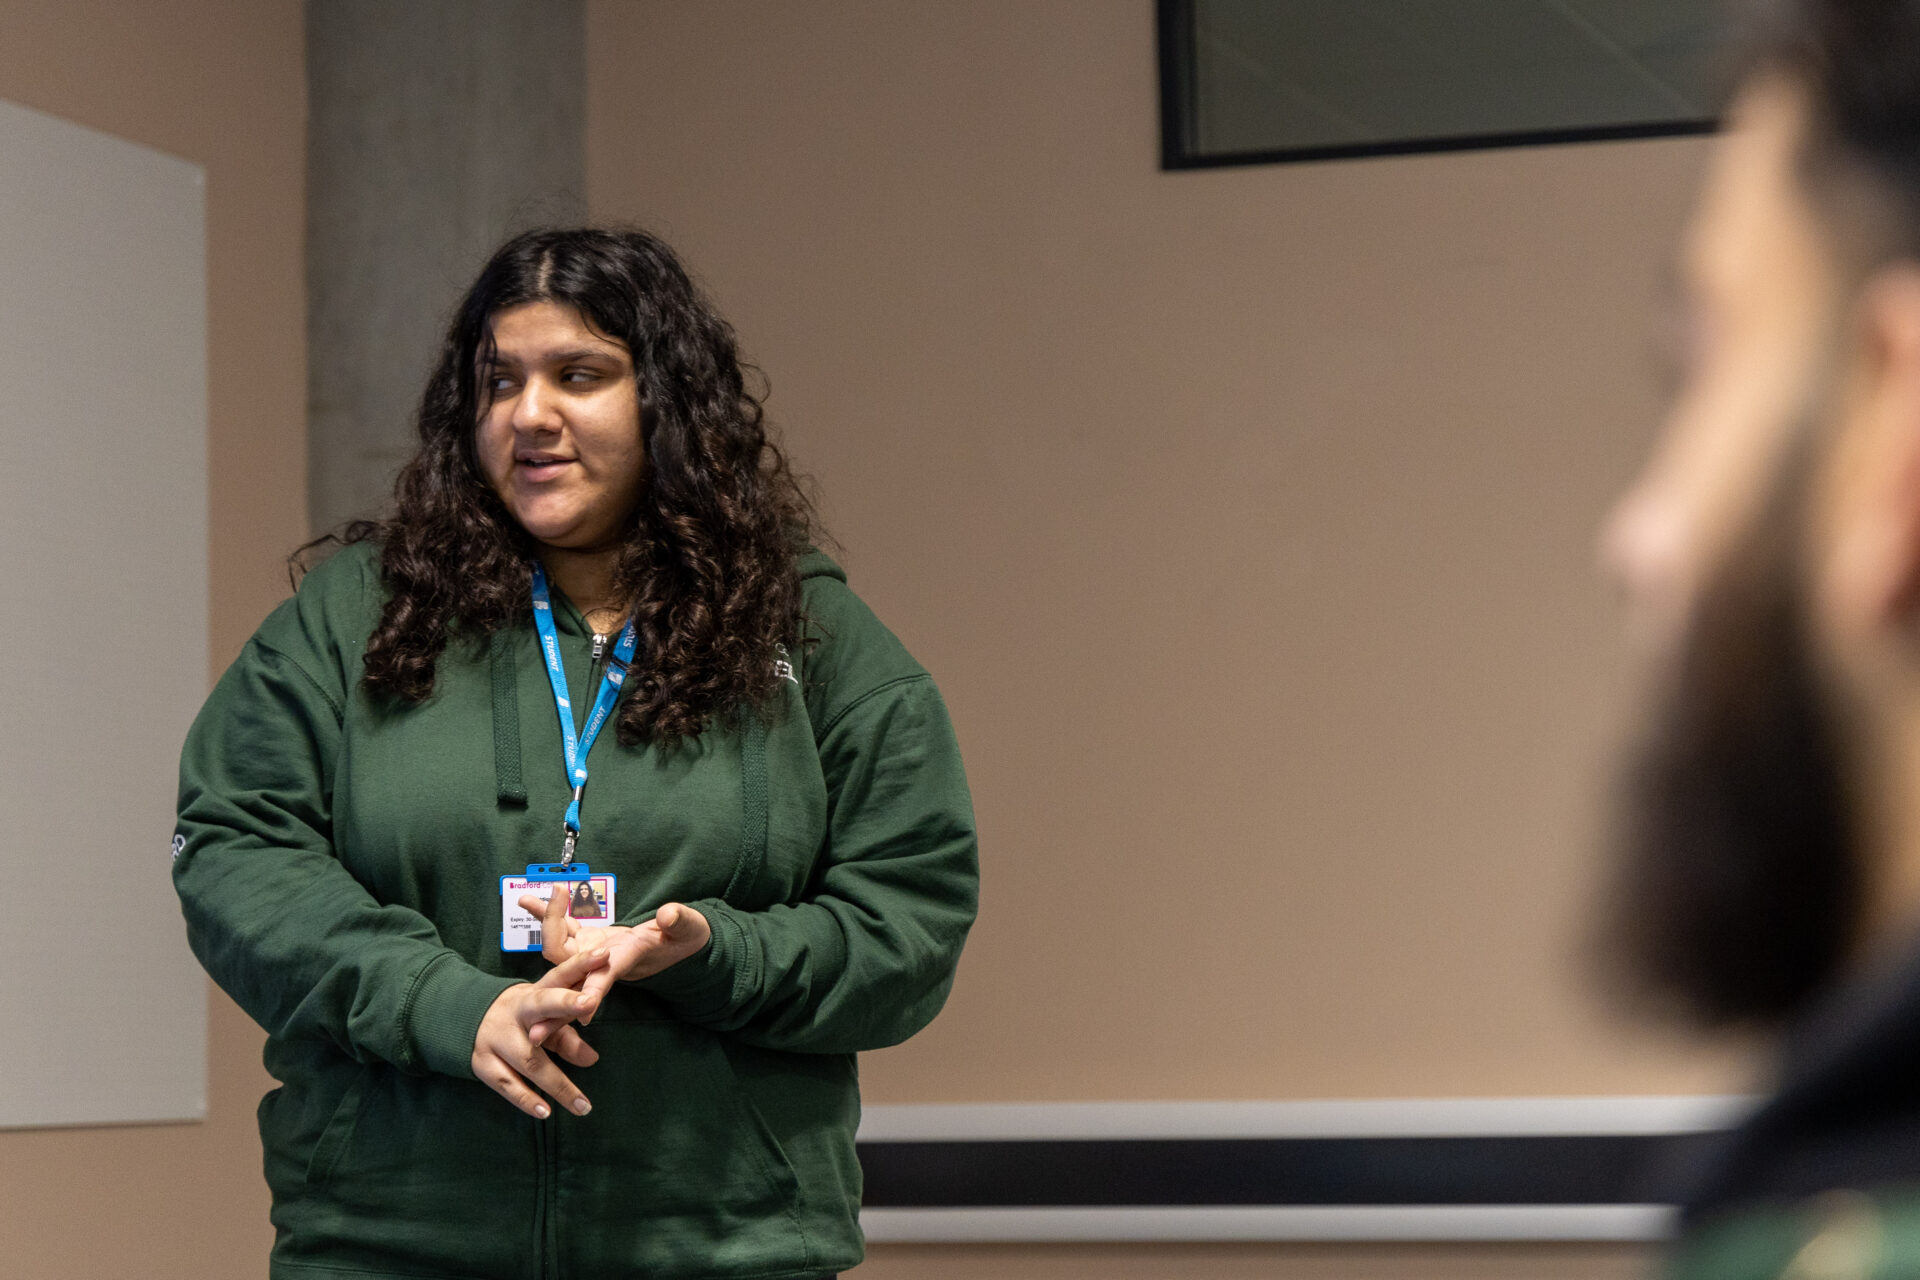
x: 508, y: 1050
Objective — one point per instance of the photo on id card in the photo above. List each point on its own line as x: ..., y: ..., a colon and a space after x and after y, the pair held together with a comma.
x: 590, y: 901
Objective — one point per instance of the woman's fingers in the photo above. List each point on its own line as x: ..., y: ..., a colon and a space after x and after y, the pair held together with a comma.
x: 551, y: 1004
x: 539, y: 1068
x: 684, y: 929
x: 508, y: 1073
x: 493, y: 1072
x: 571, y: 971
x: 576, y: 972
x: 595, y: 988
x: 675, y: 932
x: 556, y: 925
x: 570, y: 1046
x: 561, y: 1038
x: 507, y: 1058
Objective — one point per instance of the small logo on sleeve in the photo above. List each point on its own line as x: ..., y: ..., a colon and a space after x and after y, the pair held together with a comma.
x: 179, y: 844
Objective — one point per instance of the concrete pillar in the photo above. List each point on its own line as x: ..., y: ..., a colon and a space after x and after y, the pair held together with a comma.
x: 437, y: 128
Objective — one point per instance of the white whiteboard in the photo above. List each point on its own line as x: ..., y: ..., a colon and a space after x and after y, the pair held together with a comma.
x: 103, y: 636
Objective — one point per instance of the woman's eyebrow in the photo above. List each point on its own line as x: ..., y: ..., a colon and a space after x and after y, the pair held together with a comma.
x: 502, y: 360
x: 585, y: 353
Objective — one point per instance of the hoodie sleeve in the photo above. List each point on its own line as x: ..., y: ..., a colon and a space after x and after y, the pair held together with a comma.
x: 868, y: 957
x: 271, y: 912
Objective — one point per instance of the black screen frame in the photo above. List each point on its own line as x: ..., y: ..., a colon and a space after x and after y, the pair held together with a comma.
x: 1179, y: 69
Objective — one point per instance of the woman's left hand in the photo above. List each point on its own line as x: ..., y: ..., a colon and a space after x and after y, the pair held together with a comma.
x: 633, y: 951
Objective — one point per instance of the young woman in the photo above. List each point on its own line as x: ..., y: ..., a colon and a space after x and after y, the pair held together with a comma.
x: 595, y: 530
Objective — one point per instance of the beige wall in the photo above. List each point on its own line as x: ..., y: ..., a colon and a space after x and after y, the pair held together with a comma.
x: 1245, y: 517
x: 217, y: 82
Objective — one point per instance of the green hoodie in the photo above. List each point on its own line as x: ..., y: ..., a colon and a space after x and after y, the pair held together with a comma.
x: 338, y: 860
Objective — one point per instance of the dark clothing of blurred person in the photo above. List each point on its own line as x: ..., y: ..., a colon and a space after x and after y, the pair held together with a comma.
x: 1769, y: 868
x: 1823, y: 1181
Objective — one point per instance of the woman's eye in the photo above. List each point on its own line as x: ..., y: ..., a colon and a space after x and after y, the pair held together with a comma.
x: 581, y: 375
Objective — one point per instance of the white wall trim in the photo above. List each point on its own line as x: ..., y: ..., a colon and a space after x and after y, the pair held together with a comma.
x: 1633, y: 1223
x: 1356, y: 1118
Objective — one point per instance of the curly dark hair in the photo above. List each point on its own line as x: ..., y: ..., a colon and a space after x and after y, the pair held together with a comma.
x: 709, y: 566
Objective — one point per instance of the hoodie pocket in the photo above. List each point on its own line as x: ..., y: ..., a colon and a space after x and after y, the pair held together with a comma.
x: 337, y: 1132
x: 673, y: 1147
x: 418, y: 1175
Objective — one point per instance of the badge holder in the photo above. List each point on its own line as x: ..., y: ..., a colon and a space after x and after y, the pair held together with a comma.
x: 591, y: 902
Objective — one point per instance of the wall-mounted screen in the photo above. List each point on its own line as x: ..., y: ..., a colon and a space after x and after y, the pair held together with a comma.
x: 1260, y: 81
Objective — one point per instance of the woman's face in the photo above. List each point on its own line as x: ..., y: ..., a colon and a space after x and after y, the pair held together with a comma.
x: 560, y: 442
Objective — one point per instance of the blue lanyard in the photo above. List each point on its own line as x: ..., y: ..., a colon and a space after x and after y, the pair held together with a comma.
x: 576, y: 744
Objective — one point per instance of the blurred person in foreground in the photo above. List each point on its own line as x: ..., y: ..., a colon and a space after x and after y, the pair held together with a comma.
x: 1770, y: 868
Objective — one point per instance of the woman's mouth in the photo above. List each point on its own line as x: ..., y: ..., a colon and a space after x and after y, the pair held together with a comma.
x: 540, y: 466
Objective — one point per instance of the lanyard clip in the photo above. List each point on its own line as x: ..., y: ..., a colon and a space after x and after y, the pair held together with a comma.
x: 567, y: 846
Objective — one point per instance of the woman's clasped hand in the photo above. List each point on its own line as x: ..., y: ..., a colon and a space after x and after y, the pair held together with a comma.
x: 532, y: 1022
x: 674, y: 933
x: 529, y: 1023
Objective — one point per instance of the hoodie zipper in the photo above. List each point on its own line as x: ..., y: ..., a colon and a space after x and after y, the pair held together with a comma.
x: 546, y: 1137
x: 594, y: 671
x: 549, y: 1227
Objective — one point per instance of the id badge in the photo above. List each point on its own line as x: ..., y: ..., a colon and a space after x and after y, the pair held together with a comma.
x: 591, y: 901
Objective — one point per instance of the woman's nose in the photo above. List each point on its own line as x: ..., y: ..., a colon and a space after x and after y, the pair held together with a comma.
x: 534, y: 408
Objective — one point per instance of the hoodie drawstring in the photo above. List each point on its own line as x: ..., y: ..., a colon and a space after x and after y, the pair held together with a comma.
x: 508, y: 784
x: 753, y: 805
